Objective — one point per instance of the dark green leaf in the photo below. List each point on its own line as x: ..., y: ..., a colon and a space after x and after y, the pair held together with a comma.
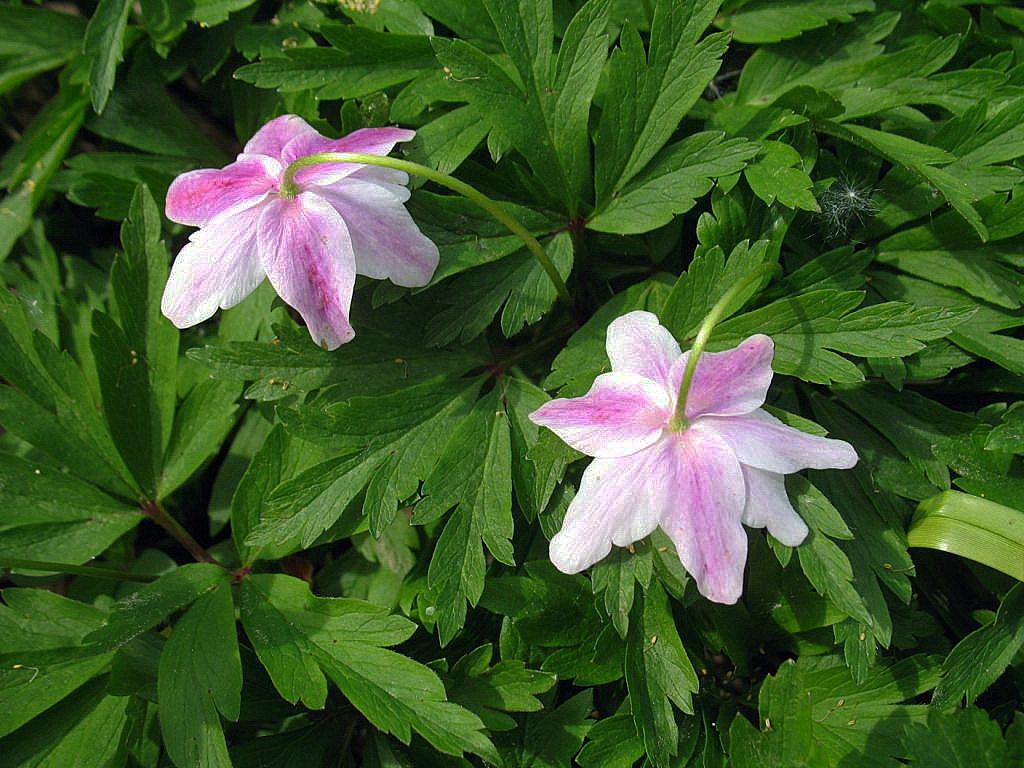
x: 200, y: 676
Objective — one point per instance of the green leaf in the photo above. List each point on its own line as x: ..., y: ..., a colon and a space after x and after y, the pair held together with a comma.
x: 104, y: 46
x: 87, y: 729
x: 770, y: 22
x: 550, y: 739
x: 705, y: 281
x: 967, y: 737
x: 473, y: 474
x: 360, y: 62
x: 35, y: 40
x: 618, y: 576
x: 388, y: 442
x: 491, y: 691
x: 32, y: 681
x: 151, y: 604
x: 201, y: 423
x: 825, y: 564
x: 612, y: 743
x: 807, y: 327
x: 813, y: 713
x: 128, y: 402
x: 971, y: 527
x: 36, y: 619
x: 34, y: 159
x: 978, y: 334
x: 981, y: 657
x: 53, y: 516
x: 658, y: 674
x: 543, y: 115
x: 649, y: 92
x: 466, y: 235
x: 49, y: 403
x: 672, y: 182
x: 778, y: 175
x: 921, y: 160
x: 395, y: 693
x: 374, y: 362
x: 200, y: 675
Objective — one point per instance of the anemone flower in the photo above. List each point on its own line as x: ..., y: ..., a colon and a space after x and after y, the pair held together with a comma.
x: 335, y: 221
x: 699, y: 478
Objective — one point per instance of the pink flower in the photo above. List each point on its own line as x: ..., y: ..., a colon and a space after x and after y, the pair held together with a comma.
x: 346, y: 219
x: 725, y: 467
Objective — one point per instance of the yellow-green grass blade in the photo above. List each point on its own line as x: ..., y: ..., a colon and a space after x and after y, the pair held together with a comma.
x: 971, y: 527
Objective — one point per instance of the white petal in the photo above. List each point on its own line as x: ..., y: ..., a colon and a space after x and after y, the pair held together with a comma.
x: 638, y: 343
x: 217, y: 268
x: 704, y: 519
x: 768, y: 506
x: 386, y: 241
x: 619, y: 502
x: 760, y: 440
x: 306, y: 252
x: 621, y: 414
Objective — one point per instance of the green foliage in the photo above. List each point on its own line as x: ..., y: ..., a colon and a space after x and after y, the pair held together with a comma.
x: 227, y: 546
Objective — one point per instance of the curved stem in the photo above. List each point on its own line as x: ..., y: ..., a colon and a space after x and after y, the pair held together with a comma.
x: 678, y: 420
x: 155, y: 511
x: 76, y: 570
x: 289, y: 189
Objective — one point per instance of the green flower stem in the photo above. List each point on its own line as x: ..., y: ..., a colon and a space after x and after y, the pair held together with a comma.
x: 76, y: 570
x: 289, y: 189
x: 678, y: 421
x: 155, y: 511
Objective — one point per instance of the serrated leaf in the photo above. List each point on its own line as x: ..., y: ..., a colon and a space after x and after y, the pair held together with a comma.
x: 550, y: 739
x: 778, y: 175
x: 812, y: 711
x: 491, y: 691
x: 201, y: 423
x: 473, y: 474
x: 398, y: 695
x: 770, y: 22
x: 104, y: 45
x: 672, y: 182
x: 977, y: 660
x: 360, y: 62
x: 659, y: 674
x: 154, y: 602
x: 200, y: 681
x: 829, y: 320
x: 388, y: 442
x: 649, y: 92
x: 51, y: 516
x: 965, y: 737
x: 612, y: 743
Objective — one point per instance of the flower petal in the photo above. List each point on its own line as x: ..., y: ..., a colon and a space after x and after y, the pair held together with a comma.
x: 386, y: 241
x: 619, y: 501
x: 638, y: 343
x: 760, y: 440
x: 704, y: 519
x: 306, y: 251
x: 196, y: 197
x: 768, y: 506
x: 729, y: 383
x: 217, y: 268
x: 271, y: 139
x: 621, y: 414
x: 367, y: 141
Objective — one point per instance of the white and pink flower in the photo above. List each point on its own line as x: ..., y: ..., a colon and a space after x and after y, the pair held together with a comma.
x: 340, y: 220
x: 724, y: 467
